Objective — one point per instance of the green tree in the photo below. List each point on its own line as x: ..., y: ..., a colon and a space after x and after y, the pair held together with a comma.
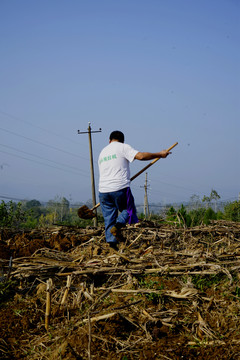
x: 12, y: 214
x: 35, y: 207
x: 59, y: 208
x: 197, y: 216
x: 64, y: 209
x: 180, y: 217
x: 184, y: 217
x: 232, y: 211
x: 214, y: 196
x: 171, y: 215
x: 32, y: 204
x: 209, y: 215
x: 208, y: 199
x: 195, y: 202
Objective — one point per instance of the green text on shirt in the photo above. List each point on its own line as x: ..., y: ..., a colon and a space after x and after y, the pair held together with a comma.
x: 107, y: 158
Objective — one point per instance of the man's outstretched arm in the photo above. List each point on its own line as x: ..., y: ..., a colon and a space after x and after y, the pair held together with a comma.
x: 150, y: 156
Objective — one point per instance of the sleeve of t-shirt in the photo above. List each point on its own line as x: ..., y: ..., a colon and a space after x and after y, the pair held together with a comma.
x: 129, y: 152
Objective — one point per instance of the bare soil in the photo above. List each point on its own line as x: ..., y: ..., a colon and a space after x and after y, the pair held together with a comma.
x: 168, y: 293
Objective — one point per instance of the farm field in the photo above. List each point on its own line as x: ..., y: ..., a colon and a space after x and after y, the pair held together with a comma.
x: 168, y: 293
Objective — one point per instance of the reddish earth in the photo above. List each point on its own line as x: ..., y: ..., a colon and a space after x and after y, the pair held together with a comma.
x: 168, y: 293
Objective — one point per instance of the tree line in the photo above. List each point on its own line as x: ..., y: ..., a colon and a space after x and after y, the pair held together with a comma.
x: 32, y: 214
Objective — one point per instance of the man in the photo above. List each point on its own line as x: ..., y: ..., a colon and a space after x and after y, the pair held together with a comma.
x: 116, y: 199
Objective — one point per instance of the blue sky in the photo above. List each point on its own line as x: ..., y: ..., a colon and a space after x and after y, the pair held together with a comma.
x: 161, y: 71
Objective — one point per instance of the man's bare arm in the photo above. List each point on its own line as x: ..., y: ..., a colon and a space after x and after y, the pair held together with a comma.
x: 150, y: 156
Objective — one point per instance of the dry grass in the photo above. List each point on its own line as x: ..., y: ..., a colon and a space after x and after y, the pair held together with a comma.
x: 167, y: 293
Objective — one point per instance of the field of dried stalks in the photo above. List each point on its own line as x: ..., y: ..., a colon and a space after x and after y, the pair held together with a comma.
x: 168, y: 293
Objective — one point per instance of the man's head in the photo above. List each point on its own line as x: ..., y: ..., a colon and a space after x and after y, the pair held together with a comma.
x: 117, y: 136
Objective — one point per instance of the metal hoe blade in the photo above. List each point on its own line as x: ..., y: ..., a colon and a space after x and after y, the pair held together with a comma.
x: 85, y: 213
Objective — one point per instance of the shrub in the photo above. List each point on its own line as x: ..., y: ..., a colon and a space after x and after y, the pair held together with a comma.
x: 209, y: 215
x: 180, y: 217
x: 11, y: 214
x: 232, y: 211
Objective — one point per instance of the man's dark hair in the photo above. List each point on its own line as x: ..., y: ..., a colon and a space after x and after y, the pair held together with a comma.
x: 117, y: 135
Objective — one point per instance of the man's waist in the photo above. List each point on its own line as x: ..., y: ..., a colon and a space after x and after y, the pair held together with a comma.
x: 111, y: 187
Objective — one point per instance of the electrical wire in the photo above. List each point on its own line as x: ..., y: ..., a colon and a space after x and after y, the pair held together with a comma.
x: 40, y: 157
x: 37, y: 126
x: 39, y: 142
x: 174, y: 185
x: 41, y: 128
x: 39, y: 162
x: 10, y: 198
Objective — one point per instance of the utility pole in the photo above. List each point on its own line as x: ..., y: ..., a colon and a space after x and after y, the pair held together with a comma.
x: 89, y: 132
x: 146, y: 206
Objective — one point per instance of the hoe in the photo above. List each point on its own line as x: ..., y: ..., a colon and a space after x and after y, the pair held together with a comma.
x: 85, y: 213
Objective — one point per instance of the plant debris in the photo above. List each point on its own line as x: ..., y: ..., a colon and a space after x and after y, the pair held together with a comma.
x: 168, y: 293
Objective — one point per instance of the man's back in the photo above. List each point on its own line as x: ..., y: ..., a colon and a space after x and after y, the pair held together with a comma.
x: 113, y: 165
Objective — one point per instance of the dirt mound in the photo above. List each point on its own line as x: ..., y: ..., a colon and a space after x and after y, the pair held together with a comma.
x: 168, y: 293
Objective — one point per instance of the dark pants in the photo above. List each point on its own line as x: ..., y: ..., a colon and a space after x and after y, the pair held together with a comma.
x: 111, y: 204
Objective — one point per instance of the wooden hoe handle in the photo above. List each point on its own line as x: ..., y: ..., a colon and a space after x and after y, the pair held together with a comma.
x: 151, y: 163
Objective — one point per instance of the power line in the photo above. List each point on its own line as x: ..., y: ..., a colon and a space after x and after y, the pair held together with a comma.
x: 174, y: 185
x: 39, y: 162
x: 36, y: 126
x: 39, y: 142
x: 10, y: 198
x: 40, y: 157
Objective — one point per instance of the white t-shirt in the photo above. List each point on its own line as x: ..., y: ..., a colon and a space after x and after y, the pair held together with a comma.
x: 113, y: 163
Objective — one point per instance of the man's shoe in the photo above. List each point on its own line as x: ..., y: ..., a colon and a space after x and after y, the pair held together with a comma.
x: 115, y: 231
